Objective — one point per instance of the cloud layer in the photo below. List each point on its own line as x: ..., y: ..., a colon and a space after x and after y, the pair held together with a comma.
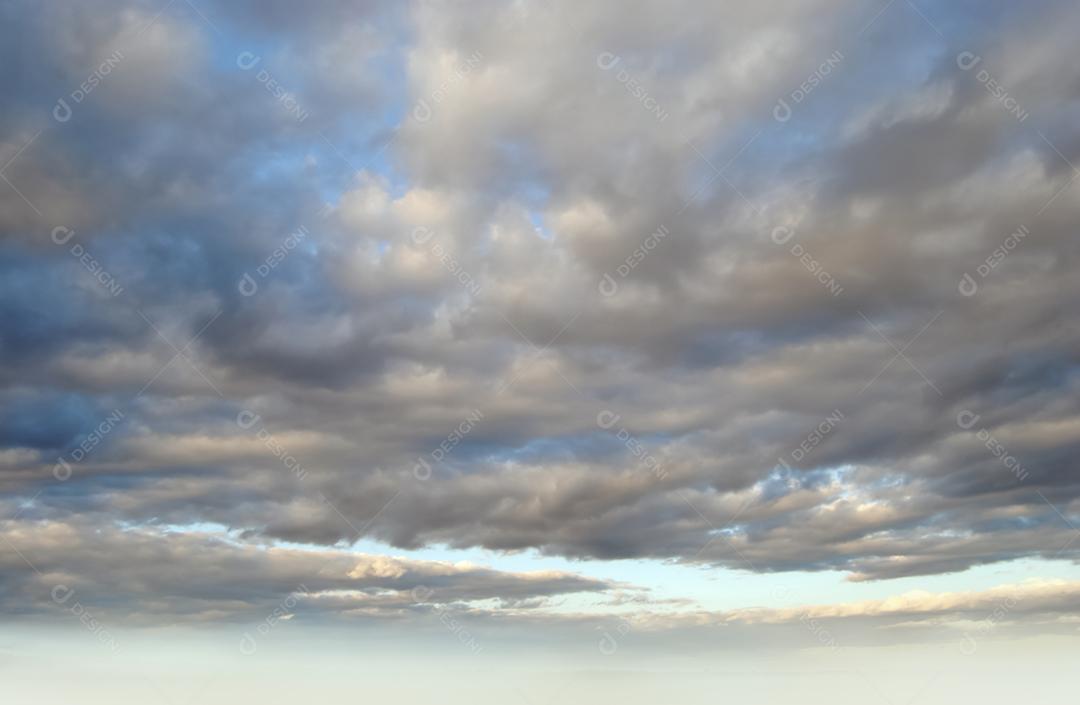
x: 772, y: 288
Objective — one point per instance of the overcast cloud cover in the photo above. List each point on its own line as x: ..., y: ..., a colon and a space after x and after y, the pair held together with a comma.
x: 315, y: 303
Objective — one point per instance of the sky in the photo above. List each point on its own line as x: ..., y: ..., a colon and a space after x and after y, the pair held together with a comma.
x: 532, y: 352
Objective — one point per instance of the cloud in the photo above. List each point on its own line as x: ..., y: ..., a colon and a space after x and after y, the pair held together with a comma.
x: 162, y: 574
x: 541, y: 215
x: 1050, y: 597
